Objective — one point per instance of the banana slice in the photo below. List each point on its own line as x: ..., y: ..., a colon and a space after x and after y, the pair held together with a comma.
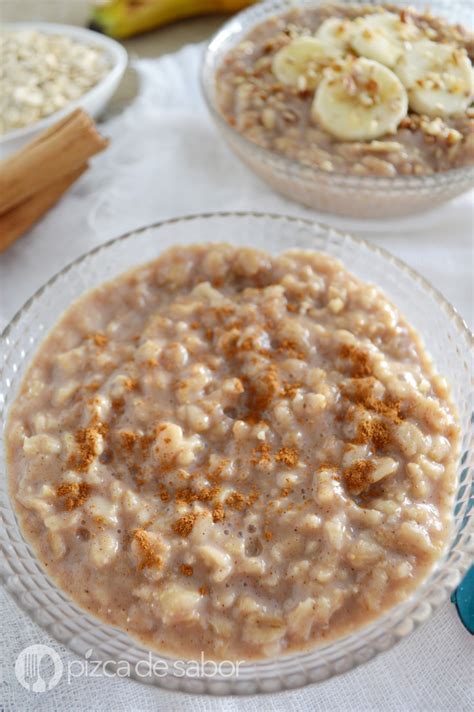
x: 438, y: 78
x: 335, y: 31
x: 381, y: 36
x: 363, y: 101
x: 301, y: 63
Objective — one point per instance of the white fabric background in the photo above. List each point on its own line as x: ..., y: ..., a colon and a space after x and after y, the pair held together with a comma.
x: 166, y: 159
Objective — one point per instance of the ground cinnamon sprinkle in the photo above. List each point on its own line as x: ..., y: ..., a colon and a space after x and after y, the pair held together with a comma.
x: 101, y: 428
x: 374, y: 431
x: 326, y: 466
x: 184, y: 525
x: 247, y: 344
x: 99, y: 339
x: 293, y: 308
x: 128, y: 440
x: 239, y: 502
x: 186, y: 570
x: 86, y: 439
x: 358, y: 390
x: 236, y: 501
x: 76, y: 492
x: 186, y: 495
x: 145, y: 441
x: 361, y: 394
x: 151, y: 362
x: 261, y: 394
x: 137, y: 473
x: 131, y: 384
x: 149, y: 555
x: 361, y: 366
x: 164, y: 494
x: 218, y: 513
x: 118, y: 404
x: 225, y: 311
x: 389, y: 407
x: 252, y: 497
x: 288, y: 456
x: 235, y: 324
x: 289, y: 390
x: 228, y: 343
x: 267, y: 535
x: 357, y: 476
x: 216, y: 474
x: 290, y: 347
x: 261, y: 454
x: 203, y: 590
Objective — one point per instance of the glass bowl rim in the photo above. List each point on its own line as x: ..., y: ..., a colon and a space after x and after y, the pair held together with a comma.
x: 299, y: 169
x: 296, y: 660
x: 360, y: 241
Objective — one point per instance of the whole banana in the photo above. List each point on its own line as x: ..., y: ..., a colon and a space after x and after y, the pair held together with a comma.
x: 124, y: 18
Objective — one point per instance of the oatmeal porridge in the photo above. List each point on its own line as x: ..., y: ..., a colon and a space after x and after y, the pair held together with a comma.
x: 354, y: 89
x: 232, y: 452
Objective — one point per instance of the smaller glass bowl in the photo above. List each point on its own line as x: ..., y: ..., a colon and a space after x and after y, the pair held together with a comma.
x: 446, y: 338
x: 338, y: 193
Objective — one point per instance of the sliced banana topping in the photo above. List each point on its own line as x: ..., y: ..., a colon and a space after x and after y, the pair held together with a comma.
x: 300, y: 64
x: 362, y: 101
x: 360, y: 98
x: 336, y: 31
x: 382, y: 36
x: 438, y: 78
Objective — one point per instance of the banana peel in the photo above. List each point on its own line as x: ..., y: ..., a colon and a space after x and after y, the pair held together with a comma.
x: 124, y: 18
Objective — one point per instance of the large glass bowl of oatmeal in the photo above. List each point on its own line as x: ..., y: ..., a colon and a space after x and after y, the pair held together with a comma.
x: 271, y: 125
x: 88, y: 518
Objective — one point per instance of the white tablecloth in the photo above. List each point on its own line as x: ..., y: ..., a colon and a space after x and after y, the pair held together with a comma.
x: 165, y: 160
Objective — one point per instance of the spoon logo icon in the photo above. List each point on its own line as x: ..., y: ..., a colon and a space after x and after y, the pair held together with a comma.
x: 38, y: 668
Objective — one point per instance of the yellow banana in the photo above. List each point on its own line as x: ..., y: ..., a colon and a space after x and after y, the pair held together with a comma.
x: 123, y: 18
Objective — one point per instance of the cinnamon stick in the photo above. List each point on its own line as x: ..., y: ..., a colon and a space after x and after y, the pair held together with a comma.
x: 58, y: 126
x: 16, y: 221
x: 55, y: 154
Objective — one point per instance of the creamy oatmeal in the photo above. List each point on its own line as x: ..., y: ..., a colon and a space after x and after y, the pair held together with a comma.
x: 354, y: 89
x: 232, y: 452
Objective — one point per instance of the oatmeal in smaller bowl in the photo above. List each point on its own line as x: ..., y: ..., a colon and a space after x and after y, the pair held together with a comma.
x: 356, y: 109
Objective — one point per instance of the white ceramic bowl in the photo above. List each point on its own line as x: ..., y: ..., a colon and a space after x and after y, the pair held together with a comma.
x: 94, y: 101
x: 446, y: 338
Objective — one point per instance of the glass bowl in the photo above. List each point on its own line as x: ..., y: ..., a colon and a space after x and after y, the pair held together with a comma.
x: 341, y: 194
x: 449, y: 343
